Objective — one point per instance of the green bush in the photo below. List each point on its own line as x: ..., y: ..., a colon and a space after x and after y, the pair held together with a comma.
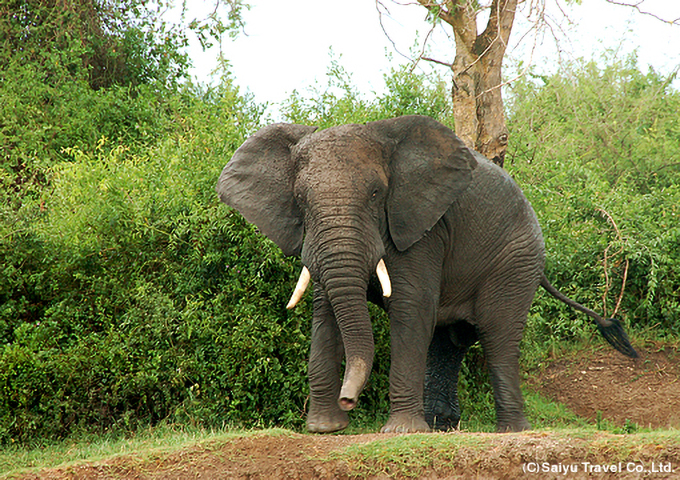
x: 614, y: 121
x: 339, y: 102
x: 129, y: 296
x: 80, y: 73
x: 134, y: 296
x: 596, y: 151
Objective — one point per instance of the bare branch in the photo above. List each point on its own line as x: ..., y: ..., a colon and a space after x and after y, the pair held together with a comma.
x: 379, y: 4
x: 543, y: 24
x: 422, y: 51
x: 637, y: 5
x: 606, y: 273
x: 427, y: 59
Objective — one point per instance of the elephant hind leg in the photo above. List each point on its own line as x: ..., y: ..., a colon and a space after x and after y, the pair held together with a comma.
x: 500, y: 323
x: 444, y: 358
x: 504, y: 374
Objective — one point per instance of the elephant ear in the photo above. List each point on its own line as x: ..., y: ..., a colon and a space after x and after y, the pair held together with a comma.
x: 429, y: 168
x: 258, y: 182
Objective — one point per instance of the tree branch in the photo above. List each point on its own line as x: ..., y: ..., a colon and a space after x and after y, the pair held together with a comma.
x: 500, y: 22
x: 433, y: 60
x: 379, y: 4
x: 637, y: 6
x: 606, y: 274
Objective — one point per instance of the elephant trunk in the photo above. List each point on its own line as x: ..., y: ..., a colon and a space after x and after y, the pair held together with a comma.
x: 356, y: 376
x: 346, y: 290
x: 342, y: 250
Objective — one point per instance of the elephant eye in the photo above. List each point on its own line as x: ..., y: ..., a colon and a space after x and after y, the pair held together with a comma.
x: 374, y: 195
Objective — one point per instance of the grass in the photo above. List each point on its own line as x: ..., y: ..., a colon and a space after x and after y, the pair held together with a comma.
x: 403, y: 455
x: 396, y: 456
x: 145, y: 444
x: 408, y: 455
x: 503, y: 454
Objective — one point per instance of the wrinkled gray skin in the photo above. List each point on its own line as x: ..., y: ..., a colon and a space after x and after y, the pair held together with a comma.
x: 462, y: 246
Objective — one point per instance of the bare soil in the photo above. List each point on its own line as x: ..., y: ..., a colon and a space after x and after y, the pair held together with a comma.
x: 645, y: 392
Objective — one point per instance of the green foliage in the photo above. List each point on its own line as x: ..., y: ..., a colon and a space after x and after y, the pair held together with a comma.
x: 543, y: 413
x: 129, y: 296
x: 616, y: 122
x: 596, y: 151
x: 339, y: 102
x: 109, y: 42
x: 75, y: 72
x: 475, y: 395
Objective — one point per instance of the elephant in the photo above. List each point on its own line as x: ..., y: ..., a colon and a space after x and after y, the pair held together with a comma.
x: 401, y: 213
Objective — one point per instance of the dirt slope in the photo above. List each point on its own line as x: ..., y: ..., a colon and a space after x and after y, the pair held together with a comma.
x: 645, y: 391
x: 479, y: 456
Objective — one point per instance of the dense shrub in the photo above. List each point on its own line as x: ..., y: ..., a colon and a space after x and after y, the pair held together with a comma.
x: 110, y: 43
x: 596, y: 150
x: 83, y: 73
x: 129, y: 295
x: 339, y: 101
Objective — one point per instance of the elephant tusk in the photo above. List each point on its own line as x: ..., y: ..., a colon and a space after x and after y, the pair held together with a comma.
x: 302, y: 284
x: 383, y: 276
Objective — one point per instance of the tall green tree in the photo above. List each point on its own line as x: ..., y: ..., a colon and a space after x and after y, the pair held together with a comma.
x: 477, y: 79
x: 79, y: 73
x: 110, y: 42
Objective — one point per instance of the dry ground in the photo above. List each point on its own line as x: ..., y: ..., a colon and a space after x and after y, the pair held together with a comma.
x: 644, y: 391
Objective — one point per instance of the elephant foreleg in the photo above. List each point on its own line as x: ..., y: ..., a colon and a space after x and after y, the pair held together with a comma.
x: 412, y: 308
x: 411, y: 332
x: 324, y: 370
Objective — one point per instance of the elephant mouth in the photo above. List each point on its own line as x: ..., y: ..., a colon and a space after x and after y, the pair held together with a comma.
x: 305, y: 277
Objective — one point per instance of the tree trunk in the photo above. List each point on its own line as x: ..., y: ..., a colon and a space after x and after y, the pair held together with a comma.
x: 477, y: 102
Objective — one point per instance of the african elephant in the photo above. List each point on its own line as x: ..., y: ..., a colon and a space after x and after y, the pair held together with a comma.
x: 399, y: 211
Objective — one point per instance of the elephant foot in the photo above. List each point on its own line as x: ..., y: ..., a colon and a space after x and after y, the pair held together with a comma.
x: 442, y: 414
x: 444, y: 422
x: 517, y: 425
x: 405, y: 424
x: 327, y: 423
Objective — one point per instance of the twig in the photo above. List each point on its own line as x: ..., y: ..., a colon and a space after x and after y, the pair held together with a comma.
x: 422, y: 50
x: 636, y: 5
x: 379, y: 4
x: 428, y: 59
x: 606, y: 274
x: 623, y: 286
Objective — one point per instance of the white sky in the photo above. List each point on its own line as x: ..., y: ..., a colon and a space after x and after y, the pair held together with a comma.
x: 287, y: 44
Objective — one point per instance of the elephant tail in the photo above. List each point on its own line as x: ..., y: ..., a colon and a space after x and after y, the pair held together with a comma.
x: 610, y: 328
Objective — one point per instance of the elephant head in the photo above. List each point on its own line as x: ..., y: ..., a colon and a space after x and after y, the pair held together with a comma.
x: 343, y: 197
